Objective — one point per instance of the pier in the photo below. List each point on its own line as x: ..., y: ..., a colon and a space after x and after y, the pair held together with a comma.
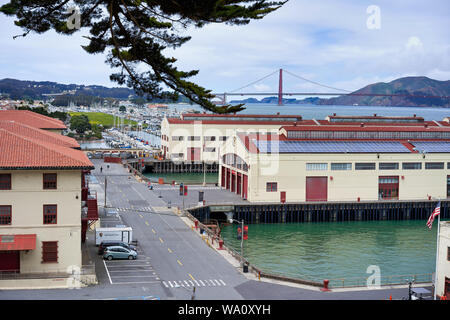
x: 322, y: 212
x: 149, y: 165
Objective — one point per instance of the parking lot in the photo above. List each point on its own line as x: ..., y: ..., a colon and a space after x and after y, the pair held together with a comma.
x: 137, y: 271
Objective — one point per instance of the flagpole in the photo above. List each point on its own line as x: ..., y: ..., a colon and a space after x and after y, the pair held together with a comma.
x: 437, y: 256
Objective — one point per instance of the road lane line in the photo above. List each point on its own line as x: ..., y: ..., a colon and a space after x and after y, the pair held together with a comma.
x: 190, y: 275
x: 198, y: 285
x: 217, y: 282
x: 192, y: 283
x: 162, y: 241
x: 223, y: 282
x: 146, y: 222
x: 141, y: 216
x: 153, y: 231
x: 107, y: 272
x: 179, y: 262
x: 168, y: 249
x: 201, y: 282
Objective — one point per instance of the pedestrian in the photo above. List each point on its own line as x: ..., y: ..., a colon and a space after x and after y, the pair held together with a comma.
x: 101, y: 169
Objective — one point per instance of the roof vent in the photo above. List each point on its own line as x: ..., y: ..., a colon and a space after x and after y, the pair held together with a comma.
x: 295, y: 123
x: 278, y: 113
x: 334, y: 114
x: 426, y: 125
x: 362, y: 124
x: 374, y: 114
x: 414, y: 115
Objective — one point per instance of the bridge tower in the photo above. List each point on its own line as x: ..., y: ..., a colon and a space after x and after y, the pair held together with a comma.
x: 280, y: 88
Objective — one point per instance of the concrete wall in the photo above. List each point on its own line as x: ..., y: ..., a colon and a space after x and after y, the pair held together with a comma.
x: 443, y: 262
x: 27, y: 198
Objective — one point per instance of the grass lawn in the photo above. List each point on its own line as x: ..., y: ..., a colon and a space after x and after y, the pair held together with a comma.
x: 106, y: 120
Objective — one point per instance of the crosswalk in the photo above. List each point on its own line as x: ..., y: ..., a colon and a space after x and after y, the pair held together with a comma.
x: 194, y: 283
x: 149, y: 209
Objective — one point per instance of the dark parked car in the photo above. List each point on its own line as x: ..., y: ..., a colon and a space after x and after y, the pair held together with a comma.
x: 105, y: 244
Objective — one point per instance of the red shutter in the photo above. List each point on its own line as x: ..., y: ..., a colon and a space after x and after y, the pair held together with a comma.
x: 316, y: 188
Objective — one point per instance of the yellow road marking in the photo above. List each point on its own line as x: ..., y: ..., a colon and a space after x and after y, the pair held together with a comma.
x: 168, y: 249
x: 141, y: 216
x: 153, y: 231
x: 161, y: 240
x: 179, y: 262
x: 190, y: 275
x: 146, y: 223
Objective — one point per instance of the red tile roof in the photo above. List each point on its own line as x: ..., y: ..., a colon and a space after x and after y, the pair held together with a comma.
x: 243, y: 116
x: 32, y: 119
x: 38, y: 134
x: 19, y: 152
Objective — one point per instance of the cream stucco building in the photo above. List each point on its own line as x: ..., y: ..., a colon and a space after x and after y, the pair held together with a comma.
x: 42, y: 186
x: 199, y: 137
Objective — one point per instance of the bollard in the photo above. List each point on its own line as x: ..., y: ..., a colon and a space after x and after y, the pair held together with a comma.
x: 325, y: 285
x: 220, y: 244
x: 196, y: 224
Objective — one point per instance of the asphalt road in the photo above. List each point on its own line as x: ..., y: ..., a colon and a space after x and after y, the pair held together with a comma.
x: 173, y: 260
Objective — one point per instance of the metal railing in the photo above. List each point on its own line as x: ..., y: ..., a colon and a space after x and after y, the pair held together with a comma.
x: 47, y: 274
x: 384, y: 280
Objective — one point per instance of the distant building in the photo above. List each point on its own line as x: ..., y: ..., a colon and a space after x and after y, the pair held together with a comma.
x: 199, y: 136
x: 443, y: 274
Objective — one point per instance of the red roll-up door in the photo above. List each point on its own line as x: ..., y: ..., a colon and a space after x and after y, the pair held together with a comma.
x: 228, y: 179
x: 10, y: 261
x: 224, y: 173
x: 193, y: 154
x: 316, y: 188
x: 233, y: 181
x: 283, y: 196
x: 238, y: 185
x: 244, y: 186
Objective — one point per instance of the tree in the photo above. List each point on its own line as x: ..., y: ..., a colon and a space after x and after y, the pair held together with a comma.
x: 80, y: 123
x: 135, y: 32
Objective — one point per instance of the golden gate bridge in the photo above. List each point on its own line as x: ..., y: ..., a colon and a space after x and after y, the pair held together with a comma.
x: 281, y: 93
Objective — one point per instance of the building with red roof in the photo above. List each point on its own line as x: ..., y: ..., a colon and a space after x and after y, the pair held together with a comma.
x: 45, y: 202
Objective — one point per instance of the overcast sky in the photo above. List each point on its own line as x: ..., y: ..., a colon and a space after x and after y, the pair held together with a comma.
x: 337, y: 43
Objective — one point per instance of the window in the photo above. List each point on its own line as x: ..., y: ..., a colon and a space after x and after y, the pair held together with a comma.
x: 411, y: 165
x: 49, y: 251
x: 271, y: 187
x: 193, y: 138
x: 50, y: 213
x: 176, y: 138
x: 5, y: 181
x: 448, y: 186
x: 223, y: 138
x: 388, y: 166
x: 210, y: 138
x: 5, y: 215
x: 365, y: 166
x: 341, y: 166
x: 388, y: 188
x: 49, y: 180
x: 448, y: 253
x: 210, y: 149
x: 434, y: 165
x: 316, y: 166
x: 448, y: 165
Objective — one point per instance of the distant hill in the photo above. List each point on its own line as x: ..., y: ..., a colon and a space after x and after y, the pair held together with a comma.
x: 415, y: 86
x: 18, y: 89
x: 407, y: 86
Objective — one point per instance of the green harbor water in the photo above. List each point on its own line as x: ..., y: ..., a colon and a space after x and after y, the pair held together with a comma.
x: 341, y: 250
x: 186, y: 178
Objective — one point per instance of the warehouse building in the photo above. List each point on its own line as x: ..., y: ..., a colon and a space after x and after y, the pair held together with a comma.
x: 197, y: 137
x: 349, y: 159
x: 443, y: 269
x: 45, y: 202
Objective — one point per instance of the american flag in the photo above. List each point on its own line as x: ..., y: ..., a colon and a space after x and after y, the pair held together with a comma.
x: 435, y: 213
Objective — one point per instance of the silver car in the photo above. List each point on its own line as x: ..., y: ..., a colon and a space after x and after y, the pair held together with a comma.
x: 117, y: 252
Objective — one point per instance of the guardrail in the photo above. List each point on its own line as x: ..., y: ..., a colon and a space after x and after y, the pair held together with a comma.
x: 384, y: 280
